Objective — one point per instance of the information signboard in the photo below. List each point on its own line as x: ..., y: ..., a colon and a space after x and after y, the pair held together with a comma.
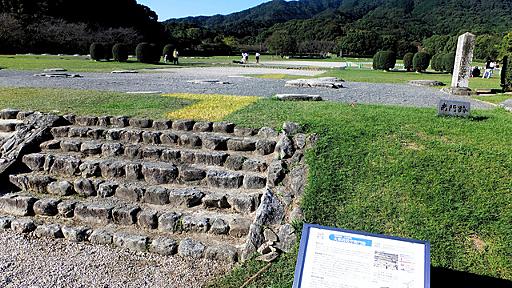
x: 331, y: 257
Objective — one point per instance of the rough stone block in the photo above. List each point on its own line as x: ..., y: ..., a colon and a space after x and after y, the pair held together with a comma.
x: 104, y: 121
x: 191, y: 248
x: 254, y: 182
x: 66, y: 208
x: 151, y: 153
x: 141, y: 123
x: 242, y: 203
x: 70, y: 145
x: 107, y: 189
x: 133, y: 172
x: 156, y: 195
x: 188, y: 157
x: 23, y: 225
x: 60, y: 132
x: 5, y: 222
x: 196, y: 223
x: 65, y: 166
x: 224, y: 253
x: 32, y: 183
x: 162, y: 125
x: 131, y: 136
x: 9, y: 113
x: 253, y: 165
x: 287, y: 238
x: 46, y: 207
x: 130, y: 192
x: 215, y: 142
x: 164, y: 246
x: 17, y: 205
x: 85, y: 187
x: 239, y: 227
x: 50, y: 145
x: 96, y: 133
x: 113, y: 134
x: 265, y: 147
x: 203, y: 127
x: 276, y: 173
x: 189, y: 141
x: 149, y: 137
x: 223, y: 127
x: 235, y: 162
x: 172, y: 156
x: 267, y: 132
x: 147, y: 219
x: 183, y: 125
x: 125, y: 215
x: 192, y: 174
x: 219, y: 227
x: 102, y: 237
x: 112, y: 149
x: 131, y: 242
x: 159, y: 173
x: 34, y: 162
x: 90, y: 148
x: 94, y: 214
x: 24, y: 115
x: 284, y: 147
x: 188, y: 197
x: 120, y: 121
x: 80, y: 132
x: 241, y: 145
x: 244, y: 132
x: 168, y: 138
x: 132, y: 152
x: 215, y: 200
x: 112, y: 169
x: 49, y: 231
x: 90, y: 169
x: 169, y: 222
x: 226, y: 180
x: 86, y: 121
x: 76, y: 234
x: 210, y: 159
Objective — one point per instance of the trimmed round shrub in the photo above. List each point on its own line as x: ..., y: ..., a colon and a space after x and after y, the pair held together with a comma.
x: 384, y: 60
x: 408, y: 61
x: 421, y: 61
x: 120, y: 52
x: 144, y: 53
x: 437, y: 62
x: 506, y: 74
x: 97, y: 51
x: 448, y: 61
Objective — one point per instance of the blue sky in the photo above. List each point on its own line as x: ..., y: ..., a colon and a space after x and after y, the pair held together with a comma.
x: 182, y: 8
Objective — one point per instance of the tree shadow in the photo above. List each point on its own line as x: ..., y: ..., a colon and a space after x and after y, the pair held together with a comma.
x: 442, y: 277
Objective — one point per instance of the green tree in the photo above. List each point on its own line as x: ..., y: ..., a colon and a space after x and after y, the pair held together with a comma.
x: 360, y: 43
x: 282, y: 43
x: 487, y: 46
x: 506, y: 45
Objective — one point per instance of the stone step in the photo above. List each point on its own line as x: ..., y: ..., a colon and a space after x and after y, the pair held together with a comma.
x: 155, y: 173
x: 9, y: 125
x: 9, y: 113
x: 218, y: 128
x: 5, y: 135
x: 237, y: 201
x: 163, y: 244
x: 103, y: 212
x: 229, y: 160
x: 183, y: 139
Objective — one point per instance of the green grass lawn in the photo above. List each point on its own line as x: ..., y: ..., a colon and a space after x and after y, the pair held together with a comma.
x: 86, y: 102
x: 495, y: 99
x: 375, y: 76
x: 403, y: 172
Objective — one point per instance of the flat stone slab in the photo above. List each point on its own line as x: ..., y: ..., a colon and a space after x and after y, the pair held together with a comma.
x: 430, y: 83
x: 323, y: 82
x: 207, y: 81
x: 58, y: 75
x: 507, y: 105
x: 298, y: 97
x: 55, y: 70
x: 124, y: 72
x: 459, y: 91
x: 144, y: 92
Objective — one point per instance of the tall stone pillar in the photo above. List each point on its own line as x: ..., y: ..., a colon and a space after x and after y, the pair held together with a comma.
x: 462, y: 68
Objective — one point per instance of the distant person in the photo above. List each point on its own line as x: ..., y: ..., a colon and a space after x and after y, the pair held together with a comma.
x: 258, y: 58
x: 475, y: 72
x: 175, y: 57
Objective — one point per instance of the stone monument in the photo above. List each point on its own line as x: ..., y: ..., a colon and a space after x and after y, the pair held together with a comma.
x: 462, y: 68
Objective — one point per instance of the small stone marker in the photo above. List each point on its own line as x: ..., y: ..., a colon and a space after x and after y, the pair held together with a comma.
x: 124, y: 72
x: 453, y: 108
x: 55, y: 70
x: 58, y: 75
x: 322, y: 82
x: 429, y: 83
x: 207, y: 81
x: 298, y: 97
x: 462, y: 68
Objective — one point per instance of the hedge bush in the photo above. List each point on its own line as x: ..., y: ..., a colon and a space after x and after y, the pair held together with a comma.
x: 147, y: 53
x: 448, y: 61
x: 506, y: 74
x: 421, y: 61
x: 97, y: 51
x: 384, y: 60
x: 437, y: 62
x: 120, y: 52
x: 408, y: 61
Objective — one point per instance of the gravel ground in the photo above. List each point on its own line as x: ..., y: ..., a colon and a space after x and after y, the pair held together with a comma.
x: 30, y: 262
x: 175, y: 80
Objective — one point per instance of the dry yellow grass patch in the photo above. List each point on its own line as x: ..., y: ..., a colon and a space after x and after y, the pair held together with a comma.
x: 211, y: 107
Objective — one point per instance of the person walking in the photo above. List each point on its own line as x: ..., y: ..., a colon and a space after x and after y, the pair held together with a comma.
x: 175, y: 57
x: 258, y: 58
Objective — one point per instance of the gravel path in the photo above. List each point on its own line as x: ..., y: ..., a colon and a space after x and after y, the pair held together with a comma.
x: 175, y: 80
x: 29, y: 262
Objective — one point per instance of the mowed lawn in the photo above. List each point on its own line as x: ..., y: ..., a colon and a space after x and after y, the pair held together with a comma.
x: 404, y: 172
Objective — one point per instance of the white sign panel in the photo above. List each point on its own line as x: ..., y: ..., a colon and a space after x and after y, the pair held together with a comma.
x: 336, y: 258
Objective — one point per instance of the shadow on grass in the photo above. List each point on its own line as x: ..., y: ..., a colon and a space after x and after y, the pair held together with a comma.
x: 478, y: 118
x: 442, y: 277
